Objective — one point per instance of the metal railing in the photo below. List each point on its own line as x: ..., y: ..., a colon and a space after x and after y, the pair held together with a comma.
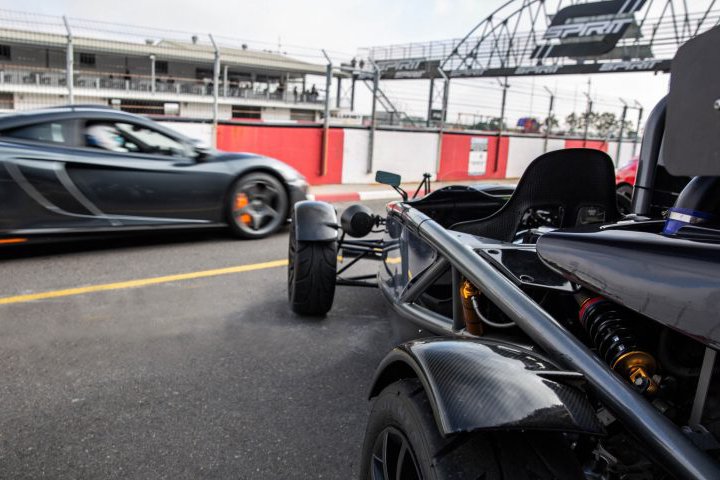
x: 232, y: 90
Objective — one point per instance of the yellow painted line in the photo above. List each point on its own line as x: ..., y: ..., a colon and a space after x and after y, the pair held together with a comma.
x: 143, y: 282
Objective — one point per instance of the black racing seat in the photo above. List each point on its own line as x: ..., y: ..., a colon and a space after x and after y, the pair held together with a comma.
x: 577, y: 185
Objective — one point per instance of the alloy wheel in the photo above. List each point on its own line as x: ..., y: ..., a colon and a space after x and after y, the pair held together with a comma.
x: 393, y: 458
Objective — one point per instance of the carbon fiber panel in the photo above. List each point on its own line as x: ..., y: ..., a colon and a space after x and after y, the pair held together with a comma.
x: 477, y: 384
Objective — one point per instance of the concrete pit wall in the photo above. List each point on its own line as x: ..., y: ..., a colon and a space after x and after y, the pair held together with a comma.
x: 463, y: 155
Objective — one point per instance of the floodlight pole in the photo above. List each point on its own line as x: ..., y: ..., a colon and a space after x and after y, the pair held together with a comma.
x: 152, y: 73
x: 587, y: 119
x: 373, y: 120
x: 225, y: 80
x: 505, y: 85
x: 547, y: 120
x: 352, y: 92
x: 430, y: 102
x: 69, y: 62
x: 216, y: 88
x: 443, y: 113
x: 639, y: 122
x: 339, y: 92
x: 622, y: 131
x: 326, y: 119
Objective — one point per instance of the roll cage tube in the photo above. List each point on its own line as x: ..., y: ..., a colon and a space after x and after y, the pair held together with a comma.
x: 669, y: 446
x: 648, y: 160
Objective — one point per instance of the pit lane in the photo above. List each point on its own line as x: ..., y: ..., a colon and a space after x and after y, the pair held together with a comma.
x: 203, y: 377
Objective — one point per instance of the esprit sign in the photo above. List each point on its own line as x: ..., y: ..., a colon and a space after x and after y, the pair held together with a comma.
x: 588, y: 29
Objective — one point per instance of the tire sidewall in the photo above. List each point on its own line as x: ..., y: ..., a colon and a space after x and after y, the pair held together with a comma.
x: 393, y: 408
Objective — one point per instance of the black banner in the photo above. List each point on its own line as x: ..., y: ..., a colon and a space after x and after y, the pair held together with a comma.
x: 584, y: 68
x: 408, y: 69
x: 601, y: 24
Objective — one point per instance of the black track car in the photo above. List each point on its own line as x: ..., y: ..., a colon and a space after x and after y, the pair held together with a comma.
x: 90, y: 169
x: 556, y: 338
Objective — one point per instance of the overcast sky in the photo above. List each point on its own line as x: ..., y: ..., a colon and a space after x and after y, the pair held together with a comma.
x: 344, y: 25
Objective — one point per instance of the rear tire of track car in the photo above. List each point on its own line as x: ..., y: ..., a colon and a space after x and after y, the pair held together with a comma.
x: 402, y: 411
x: 311, y: 275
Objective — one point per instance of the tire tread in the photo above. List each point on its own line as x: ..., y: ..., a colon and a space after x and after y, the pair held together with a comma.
x: 311, y: 288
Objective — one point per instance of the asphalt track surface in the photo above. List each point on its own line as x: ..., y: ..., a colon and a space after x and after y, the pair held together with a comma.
x: 202, y: 373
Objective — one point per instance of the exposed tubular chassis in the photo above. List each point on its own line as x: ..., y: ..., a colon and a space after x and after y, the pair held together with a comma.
x: 370, y: 249
x: 360, y: 250
x: 671, y: 447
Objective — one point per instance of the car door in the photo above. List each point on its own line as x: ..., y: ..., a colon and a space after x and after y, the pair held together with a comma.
x: 140, y: 175
x: 36, y: 191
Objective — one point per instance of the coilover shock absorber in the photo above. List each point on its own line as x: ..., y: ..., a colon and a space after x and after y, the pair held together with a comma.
x: 615, y: 340
x: 473, y: 324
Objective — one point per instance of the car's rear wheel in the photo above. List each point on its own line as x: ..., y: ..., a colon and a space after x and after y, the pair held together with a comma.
x: 311, y: 275
x: 258, y: 205
x: 402, y: 441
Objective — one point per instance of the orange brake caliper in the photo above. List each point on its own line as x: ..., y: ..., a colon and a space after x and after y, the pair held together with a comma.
x: 241, y: 201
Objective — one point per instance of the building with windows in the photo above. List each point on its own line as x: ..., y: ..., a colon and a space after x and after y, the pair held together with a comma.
x: 157, y: 76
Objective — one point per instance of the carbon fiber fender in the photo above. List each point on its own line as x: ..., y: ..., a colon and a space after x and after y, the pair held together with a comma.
x: 315, y: 221
x: 485, y: 384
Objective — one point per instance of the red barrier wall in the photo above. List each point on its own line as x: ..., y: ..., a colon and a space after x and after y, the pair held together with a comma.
x: 298, y: 147
x: 455, y: 157
x: 579, y: 143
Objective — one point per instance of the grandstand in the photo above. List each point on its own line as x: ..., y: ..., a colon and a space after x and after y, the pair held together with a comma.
x: 157, y: 76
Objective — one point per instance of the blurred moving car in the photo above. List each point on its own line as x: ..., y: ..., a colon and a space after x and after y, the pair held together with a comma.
x: 88, y: 169
x: 624, y: 181
x: 625, y: 177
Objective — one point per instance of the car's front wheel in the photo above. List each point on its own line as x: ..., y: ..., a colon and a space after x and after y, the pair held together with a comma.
x: 402, y: 441
x: 311, y: 275
x: 258, y: 205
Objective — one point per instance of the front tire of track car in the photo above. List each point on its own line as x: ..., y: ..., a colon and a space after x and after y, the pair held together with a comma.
x: 402, y: 441
x: 311, y: 275
x: 257, y: 205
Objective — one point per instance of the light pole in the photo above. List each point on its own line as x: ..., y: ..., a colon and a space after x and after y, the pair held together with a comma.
x: 639, y: 106
x: 548, y: 120
x: 622, y: 131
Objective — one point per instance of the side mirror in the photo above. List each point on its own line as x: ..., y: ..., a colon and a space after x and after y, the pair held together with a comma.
x: 202, y: 152
x: 388, y: 178
x: 201, y: 149
x: 392, y: 179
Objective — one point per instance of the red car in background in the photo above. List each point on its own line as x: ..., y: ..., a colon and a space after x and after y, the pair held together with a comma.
x: 624, y: 180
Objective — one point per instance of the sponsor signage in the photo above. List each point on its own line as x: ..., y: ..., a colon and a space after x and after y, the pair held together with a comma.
x: 651, y: 65
x: 436, y: 115
x: 581, y: 68
x: 408, y: 68
x: 587, y: 29
x: 586, y: 32
x: 477, y: 163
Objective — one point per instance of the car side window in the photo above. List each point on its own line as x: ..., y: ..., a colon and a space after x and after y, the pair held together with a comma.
x: 132, y: 138
x: 57, y: 132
